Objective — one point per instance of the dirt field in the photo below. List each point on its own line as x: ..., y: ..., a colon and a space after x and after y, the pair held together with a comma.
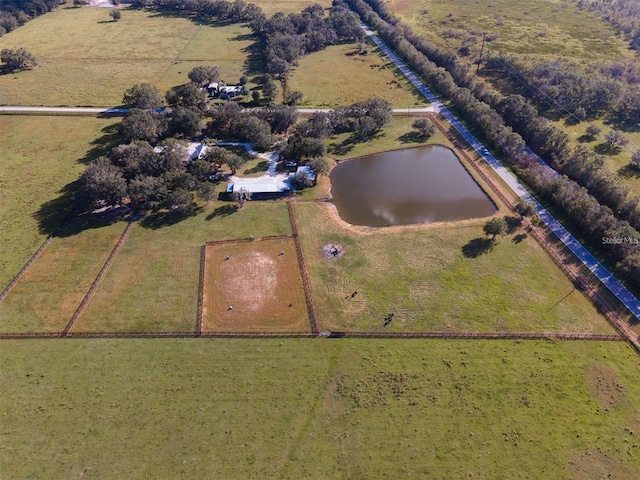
x: 253, y: 287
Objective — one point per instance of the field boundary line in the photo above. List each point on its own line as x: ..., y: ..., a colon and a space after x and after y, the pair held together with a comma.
x: 311, y: 308
x: 33, y: 258
x: 99, y: 277
x: 203, y: 265
x: 325, y: 334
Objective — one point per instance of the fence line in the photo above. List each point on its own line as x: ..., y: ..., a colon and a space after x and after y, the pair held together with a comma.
x: 203, y: 266
x: 33, y: 258
x: 326, y: 334
x: 313, y: 318
x: 101, y: 274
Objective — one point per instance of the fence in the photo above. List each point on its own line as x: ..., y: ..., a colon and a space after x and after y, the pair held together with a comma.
x: 313, y: 318
x: 101, y: 274
x: 33, y: 258
x: 327, y: 334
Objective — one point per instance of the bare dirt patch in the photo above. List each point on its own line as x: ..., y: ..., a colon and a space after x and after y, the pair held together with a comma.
x: 253, y: 287
x: 605, y: 386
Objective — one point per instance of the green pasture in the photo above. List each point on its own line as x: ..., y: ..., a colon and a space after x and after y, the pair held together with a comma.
x: 152, y: 285
x: 85, y: 59
x: 318, y: 408
x: 50, y: 291
x: 339, y: 75
x: 40, y: 156
x: 437, y: 277
x: 398, y: 135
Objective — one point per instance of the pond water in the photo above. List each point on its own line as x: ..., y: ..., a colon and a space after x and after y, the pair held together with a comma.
x: 417, y: 185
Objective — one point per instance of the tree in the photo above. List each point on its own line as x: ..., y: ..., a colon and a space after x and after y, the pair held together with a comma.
x: 243, y: 80
x: 294, y: 98
x: 615, y: 139
x: 255, y: 96
x: 301, y: 180
x: 525, y: 208
x: 234, y: 162
x: 203, y: 75
x: 270, y: 89
x: 241, y: 196
x: 101, y: 183
x: 143, y: 96
x: 186, y: 122
x: 115, y: 14
x: 180, y: 200
x: 147, y: 192
x: 635, y: 160
x: 188, y: 95
x: 593, y: 131
x: 495, y: 226
x: 426, y: 129
x: 18, y: 59
x: 140, y: 125
x: 319, y: 166
x: 79, y: 3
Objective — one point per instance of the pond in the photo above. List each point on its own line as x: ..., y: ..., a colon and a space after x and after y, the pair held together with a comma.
x: 417, y: 185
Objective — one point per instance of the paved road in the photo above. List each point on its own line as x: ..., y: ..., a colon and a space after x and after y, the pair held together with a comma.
x: 612, y: 283
x: 88, y: 110
x: 122, y: 111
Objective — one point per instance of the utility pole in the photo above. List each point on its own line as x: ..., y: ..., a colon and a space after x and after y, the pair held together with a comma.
x: 484, y: 35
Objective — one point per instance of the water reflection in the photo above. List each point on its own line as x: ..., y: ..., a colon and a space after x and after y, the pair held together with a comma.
x: 418, y: 185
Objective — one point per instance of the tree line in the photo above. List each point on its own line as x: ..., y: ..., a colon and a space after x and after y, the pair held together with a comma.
x: 14, y: 13
x: 505, y: 122
x: 624, y: 15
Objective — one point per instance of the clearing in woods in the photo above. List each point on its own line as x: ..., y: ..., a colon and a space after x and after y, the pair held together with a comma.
x: 254, y: 286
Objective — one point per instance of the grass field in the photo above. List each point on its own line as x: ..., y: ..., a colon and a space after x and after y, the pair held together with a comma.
x: 152, y: 284
x: 397, y: 135
x: 260, y: 281
x: 40, y: 156
x: 207, y: 408
x: 437, y: 278
x: 46, y: 297
x: 617, y: 162
x: 338, y: 75
x: 528, y: 27
x: 85, y: 59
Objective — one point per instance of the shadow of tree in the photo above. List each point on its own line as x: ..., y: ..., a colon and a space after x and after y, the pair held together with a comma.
x: 606, y: 149
x: 629, y: 171
x: 260, y: 167
x: 102, y: 145
x: 478, y: 246
x: 53, y: 212
x: 513, y: 223
x: 343, y: 147
x: 223, y: 211
x: 411, y: 137
x: 162, y: 219
x: 585, y: 138
x: 519, y: 238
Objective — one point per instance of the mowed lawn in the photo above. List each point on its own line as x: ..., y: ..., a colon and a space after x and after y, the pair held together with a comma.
x: 339, y: 75
x: 434, y: 278
x: 50, y: 291
x: 40, y: 156
x: 318, y: 408
x: 86, y: 59
x: 152, y: 285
